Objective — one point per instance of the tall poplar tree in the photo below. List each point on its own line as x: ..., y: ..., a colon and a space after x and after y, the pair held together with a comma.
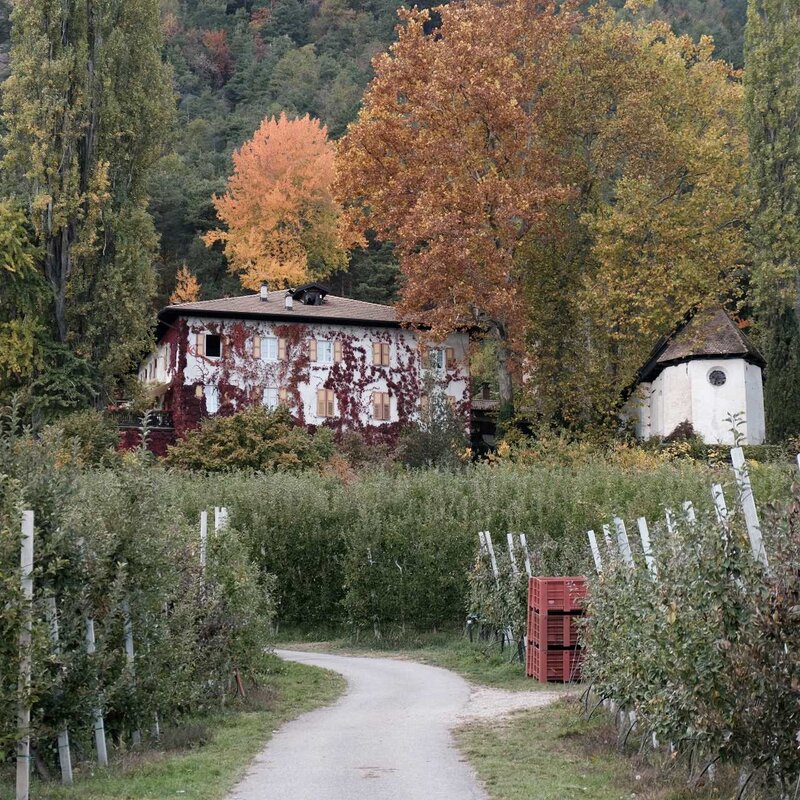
x: 87, y: 107
x: 772, y: 86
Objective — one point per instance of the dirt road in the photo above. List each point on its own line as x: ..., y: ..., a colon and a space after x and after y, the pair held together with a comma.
x: 388, y: 738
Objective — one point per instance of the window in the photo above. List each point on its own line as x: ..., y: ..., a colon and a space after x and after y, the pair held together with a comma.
x: 325, y: 352
x: 381, y: 406
x: 381, y: 353
x: 436, y: 359
x: 281, y: 349
x: 269, y: 348
x: 212, y: 399
x: 717, y: 377
x: 213, y: 345
x: 325, y: 403
x: 271, y: 397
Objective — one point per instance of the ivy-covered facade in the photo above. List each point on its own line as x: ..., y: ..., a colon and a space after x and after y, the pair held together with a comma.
x: 331, y: 361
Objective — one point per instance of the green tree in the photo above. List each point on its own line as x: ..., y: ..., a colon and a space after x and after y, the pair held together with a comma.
x: 86, y: 109
x: 772, y: 90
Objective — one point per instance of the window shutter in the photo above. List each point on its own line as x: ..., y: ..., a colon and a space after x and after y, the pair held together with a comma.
x: 312, y: 349
x: 387, y: 406
x: 223, y: 345
x: 320, y: 402
x: 200, y: 344
x: 376, y: 353
x: 256, y: 347
x: 337, y: 352
x: 330, y: 399
x: 376, y: 405
x: 450, y: 357
x: 283, y: 395
x: 281, y: 349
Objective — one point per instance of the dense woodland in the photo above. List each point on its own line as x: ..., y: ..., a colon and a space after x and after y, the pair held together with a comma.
x: 224, y: 67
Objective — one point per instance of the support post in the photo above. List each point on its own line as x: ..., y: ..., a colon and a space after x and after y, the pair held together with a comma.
x: 127, y: 626
x: 607, y: 537
x: 512, y: 556
x: 490, y: 548
x: 720, y: 506
x: 688, y: 512
x: 670, y: 517
x: 64, y: 754
x: 482, y: 542
x: 99, y: 726
x: 598, y: 561
x: 622, y: 541
x: 748, y: 502
x: 24, y: 681
x: 644, y: 535
x: 523, y: 541
x: 203, y: 539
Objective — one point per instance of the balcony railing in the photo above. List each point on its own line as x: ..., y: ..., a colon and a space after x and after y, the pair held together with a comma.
x: 156, y: 420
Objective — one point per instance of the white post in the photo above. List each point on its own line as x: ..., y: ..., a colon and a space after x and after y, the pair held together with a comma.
x: 798, y: 460
x: 644, y: 534
x: 598, y: 562
x: 203, y: 538
x: 511, y: 555
x: 670, y: 517
x: 490, y: 548
x: 688, y: 512
x: 720, y: 506
x: 622, y: 541
x: 64, y: 755
x: 217, y: 518
x: 748, y: 505
x: 482, y: 542
x: 607, y: 537
x: 99, y: 727
x: 127, y: 628
x: 25, y: 636
x: 523, y: 540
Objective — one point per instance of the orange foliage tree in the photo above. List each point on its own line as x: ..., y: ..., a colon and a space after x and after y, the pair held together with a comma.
x: 445, y: 160
x: 283, y: 225
x: 187, y: 288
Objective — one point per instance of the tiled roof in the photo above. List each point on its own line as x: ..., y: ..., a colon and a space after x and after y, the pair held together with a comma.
x: 709, y: 333
x: 333, y: 309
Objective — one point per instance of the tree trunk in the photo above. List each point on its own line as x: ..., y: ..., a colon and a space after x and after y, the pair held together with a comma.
x: 504, y: 381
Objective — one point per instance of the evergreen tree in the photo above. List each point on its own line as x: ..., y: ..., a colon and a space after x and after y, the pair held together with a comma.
x: 86, y: 110
x: 772, y: 85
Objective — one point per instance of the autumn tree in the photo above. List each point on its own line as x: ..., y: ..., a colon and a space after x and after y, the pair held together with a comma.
x: 446, y: 161
x: 570, y: 183
x: 650, y: 132
x: 282, y: 223
x: 187, y: 288
x: 86, y: 109
x: 773, y: 115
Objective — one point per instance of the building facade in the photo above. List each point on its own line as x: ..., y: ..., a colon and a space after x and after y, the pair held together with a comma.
x: 330, y: 360
x: 706, y: 373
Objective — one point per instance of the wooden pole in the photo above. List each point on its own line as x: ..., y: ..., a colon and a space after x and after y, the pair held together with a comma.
x: 523, y: 541
x: 622, y: 542
x: 748, y: 502
x: 64, y: 755
x: 598, y: 562
x: 99, y: 726
x: 25, y: 637
x: 644, y: 535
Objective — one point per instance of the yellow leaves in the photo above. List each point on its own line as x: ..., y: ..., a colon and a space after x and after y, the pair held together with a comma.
x: 187, y: 288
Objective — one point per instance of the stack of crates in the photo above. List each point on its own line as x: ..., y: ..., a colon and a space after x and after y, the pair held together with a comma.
x: 554, y: 604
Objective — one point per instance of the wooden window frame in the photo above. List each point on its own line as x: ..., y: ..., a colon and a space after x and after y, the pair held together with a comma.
x: 381, y: 406
x: 326, y: 403
x: 382, y: 354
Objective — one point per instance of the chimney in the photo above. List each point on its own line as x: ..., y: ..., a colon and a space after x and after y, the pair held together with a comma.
x: 264, y: 292
x: 289, y: 302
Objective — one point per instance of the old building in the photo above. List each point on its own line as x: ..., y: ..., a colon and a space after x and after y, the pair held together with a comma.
x: 331, y: 360
x: 706, y: 373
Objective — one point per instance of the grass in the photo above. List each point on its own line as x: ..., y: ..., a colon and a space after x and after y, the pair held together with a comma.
x: 206, y: 772
x: 477, y: 662
x: 552, y: 754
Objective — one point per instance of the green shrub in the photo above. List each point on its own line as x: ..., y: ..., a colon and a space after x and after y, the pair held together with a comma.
x: 90, y: 438
x: 254, y: 438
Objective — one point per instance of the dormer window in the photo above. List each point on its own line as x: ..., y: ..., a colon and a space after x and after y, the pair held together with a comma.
x: 312, y: 294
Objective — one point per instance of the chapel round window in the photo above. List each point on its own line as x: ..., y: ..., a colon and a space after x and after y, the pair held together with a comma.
x: 717, y: 377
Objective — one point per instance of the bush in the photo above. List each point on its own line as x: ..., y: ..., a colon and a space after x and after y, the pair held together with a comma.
x: 254, y: 438
x: 90, y: 438
x: 708, y: 655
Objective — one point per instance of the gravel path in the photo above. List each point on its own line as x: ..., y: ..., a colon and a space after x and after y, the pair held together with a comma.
x: 388, y: 738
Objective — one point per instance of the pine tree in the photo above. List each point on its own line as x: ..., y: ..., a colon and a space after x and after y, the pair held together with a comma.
x: 772, y: 85
x: 86, y: 110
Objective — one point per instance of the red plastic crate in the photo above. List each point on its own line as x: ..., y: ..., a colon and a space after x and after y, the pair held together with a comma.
x: 554, y: 666
x: 553, y: 630
x: 556, y: 594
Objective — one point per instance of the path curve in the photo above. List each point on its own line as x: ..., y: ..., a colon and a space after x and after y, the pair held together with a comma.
x: 387, y: 738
